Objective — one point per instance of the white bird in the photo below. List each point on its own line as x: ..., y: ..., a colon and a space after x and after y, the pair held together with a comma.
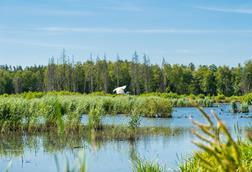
x: 120, y: 90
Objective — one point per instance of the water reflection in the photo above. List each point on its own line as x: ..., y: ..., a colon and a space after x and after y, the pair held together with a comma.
x: 30, y: 151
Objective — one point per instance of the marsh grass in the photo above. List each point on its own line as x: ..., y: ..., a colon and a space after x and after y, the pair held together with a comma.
x: 186, y: 102
x: 94, y: 117
x: 18, y: 113
x: 134, y: 119
x: 146, y: 166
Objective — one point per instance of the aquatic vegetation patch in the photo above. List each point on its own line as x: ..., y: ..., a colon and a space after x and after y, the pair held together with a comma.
x: 19, y: 112
x: 237, y: 107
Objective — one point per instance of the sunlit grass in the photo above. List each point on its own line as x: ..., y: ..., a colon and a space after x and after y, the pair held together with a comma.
x: 220, y: 152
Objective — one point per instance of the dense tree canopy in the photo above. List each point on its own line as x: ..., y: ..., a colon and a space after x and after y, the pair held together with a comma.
x: 139, y: 75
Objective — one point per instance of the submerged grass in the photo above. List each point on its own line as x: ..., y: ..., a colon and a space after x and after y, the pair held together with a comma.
x: 13, y: 144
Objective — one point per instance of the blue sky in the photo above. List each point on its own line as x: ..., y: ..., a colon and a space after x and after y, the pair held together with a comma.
x: 184, y: 31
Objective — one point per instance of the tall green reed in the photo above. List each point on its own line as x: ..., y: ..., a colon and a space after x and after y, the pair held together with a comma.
x: 220, y: 151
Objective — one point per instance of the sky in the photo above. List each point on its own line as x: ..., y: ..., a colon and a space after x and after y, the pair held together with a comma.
x: 199, y: 31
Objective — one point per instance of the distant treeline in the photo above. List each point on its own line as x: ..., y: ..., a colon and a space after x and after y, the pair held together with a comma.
x: 63, y: 74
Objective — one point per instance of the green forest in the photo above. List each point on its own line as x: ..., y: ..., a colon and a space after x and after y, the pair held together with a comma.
x: 139, y: 74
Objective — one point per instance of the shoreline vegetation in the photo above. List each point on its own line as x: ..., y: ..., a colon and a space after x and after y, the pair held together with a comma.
x: 41, y: 110
x: 56, y: 110
x: 174, y: 97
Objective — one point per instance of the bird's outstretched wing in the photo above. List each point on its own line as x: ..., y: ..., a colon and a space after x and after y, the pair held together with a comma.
x: 123, y: 87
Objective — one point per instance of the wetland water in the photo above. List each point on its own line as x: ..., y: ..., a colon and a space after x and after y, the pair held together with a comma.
x: 38, y: 153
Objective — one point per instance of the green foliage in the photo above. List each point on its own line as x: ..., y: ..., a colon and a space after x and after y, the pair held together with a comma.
x: 220, y: 151
x: 248, y: 98
x: 134, y: 119
x: 220, y: 98
x: 94, y: 117
x: 17, y: 112
x: 145, y: 166
x: 246, y: 78
x: 195, y: 164
x: 186, y: 102
x: 164, y: 95
x: 154, y: 107
x: 224, y: 81
x: 103, y: 76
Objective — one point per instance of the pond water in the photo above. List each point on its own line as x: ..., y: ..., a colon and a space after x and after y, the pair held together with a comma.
x: 39, y: 153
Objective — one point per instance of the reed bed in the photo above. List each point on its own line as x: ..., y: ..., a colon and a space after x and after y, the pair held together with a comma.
x: 187, y: 102
x: 41, y: 111
x: 17, y: 113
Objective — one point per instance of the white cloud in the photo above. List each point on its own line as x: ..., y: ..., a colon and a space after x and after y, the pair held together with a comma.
x: 138, y: 31
x: 227, y: 10
x: 43, y: 11
x: 112, y: 30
